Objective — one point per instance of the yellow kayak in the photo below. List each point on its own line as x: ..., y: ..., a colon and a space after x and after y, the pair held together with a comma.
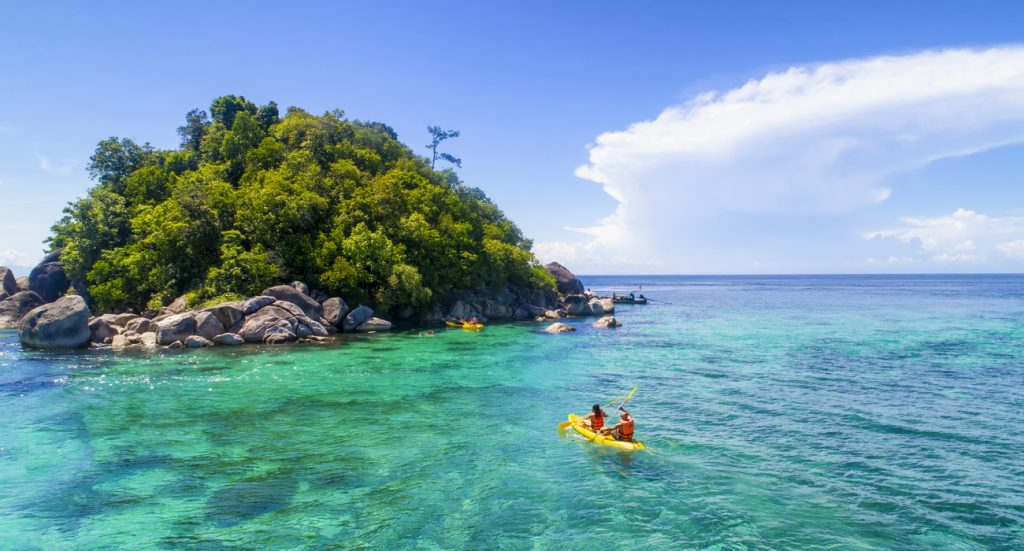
x: 470, y: 326
x: 604, y: 440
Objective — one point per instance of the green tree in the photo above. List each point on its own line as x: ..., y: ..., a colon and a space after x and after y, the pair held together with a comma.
x: 438, y: 136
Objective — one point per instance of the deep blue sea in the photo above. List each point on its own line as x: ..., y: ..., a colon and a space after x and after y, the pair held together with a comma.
x: 789, y: 412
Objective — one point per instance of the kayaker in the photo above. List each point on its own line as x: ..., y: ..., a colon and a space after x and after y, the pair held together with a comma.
x: 623, y: 430
x: 473, y: 320
x: 595, y: 419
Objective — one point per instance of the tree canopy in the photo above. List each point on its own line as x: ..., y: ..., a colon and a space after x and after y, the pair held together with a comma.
x: 251, y: 199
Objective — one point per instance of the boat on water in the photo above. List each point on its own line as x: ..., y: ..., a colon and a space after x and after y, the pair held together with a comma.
x: 466, y: 325
x: 601, y: 439
x: 629, y: 300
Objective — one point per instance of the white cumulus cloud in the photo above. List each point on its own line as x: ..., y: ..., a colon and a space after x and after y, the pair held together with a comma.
x: 811, y: 141
x: 964, y: 236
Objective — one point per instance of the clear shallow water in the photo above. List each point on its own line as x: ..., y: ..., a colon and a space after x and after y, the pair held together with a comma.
x: 780, y: 412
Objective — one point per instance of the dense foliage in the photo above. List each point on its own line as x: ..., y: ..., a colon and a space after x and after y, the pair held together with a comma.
x: 251, y: 199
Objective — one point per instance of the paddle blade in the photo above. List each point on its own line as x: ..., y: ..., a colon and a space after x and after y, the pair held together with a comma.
x: 564, y: 425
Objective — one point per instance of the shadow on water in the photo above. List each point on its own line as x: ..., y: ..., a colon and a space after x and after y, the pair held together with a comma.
x: 250, y: 497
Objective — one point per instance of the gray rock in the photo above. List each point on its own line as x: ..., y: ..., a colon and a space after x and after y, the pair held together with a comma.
x: 254, y: 304
x: 433, y: 315
x: 300, y: 287
x: 607, y: 322
x: 140, y: 325
x: 49, y: 281
x: 207, y: 325
x: 178, y: 305
x: 559, y: 327
x: 176, y: 345
x: 23, y: 284
x: 121, y: 320
x: 279, y: 335
x: 195, y: 341
x: 302, y: 331
x: 229, y: 339
x: 356, y: 317
x: 148, y: 340
x: 290, y: 294
x: 227, y: 313
x: 8, y: 283
x: 292, y: 309
x: 577, y: 305
x: 552, y: 315
x: 63, y: 323
x: 16, y: 307
x: 318, y: 329
x: 335, y: 311
x: 567, y: 282
x: 3, y: 296
x: 119, y: 343
x: 101, y: 331
x: 175, y: 328
x: 268, y: 321
x: 601, y: 306
x: 374, y: 324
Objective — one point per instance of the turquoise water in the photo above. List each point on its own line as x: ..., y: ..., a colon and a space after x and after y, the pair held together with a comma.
x: 780, y: 413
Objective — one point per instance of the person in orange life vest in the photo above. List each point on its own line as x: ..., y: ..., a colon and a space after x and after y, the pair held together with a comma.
x: 595, y: 419
x: 623, y: 430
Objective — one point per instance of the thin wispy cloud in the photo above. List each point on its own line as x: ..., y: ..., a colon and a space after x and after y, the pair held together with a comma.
x: 62, y: 168
x: 810, y: 142
x: 12, y: 257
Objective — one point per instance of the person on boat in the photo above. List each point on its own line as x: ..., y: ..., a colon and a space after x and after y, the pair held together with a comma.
x: 614, y: 295
x: 595, y: 419
x: 623, y: 430
x: 632, y: 296
x: 473, y: 320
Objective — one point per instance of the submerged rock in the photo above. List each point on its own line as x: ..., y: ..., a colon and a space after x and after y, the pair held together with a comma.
x: 63, y: 323
x: 607, y: 322
x: 559, y: 327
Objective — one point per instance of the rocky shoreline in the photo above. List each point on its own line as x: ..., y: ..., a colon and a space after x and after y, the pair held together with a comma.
x: 49, y: 312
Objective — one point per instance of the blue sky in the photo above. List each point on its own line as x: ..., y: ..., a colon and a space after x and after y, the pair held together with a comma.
x: 532, y: 86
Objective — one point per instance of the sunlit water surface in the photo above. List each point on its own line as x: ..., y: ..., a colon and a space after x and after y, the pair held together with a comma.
x: 787, y: 412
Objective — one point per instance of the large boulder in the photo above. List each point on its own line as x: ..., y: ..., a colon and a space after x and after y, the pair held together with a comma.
x: 8, y: 283
x: 63, y: 323
x: 49, y: 281
x: 300, y: 287
x: 559, y: 327
x: 178, y: 305
x: 23, y: 284
x: 175, y: 328
x: 16, y: 306
x: 269, y: 321
x: 318, y: 295
x: 601, y: 306
x: 528, y: 312
x: 121, y: 320
x: 607, y: 322
x: 567, y: 282
x: 101, y: 331
x: 335, y: 311
x: 290, y: 294
x: 254, y: 304
x: 373, y: 325
x: 227, y: 313
x: 140, y: 325
x: 356, y: 317
x: 208, y: 326
x: 577, y: 305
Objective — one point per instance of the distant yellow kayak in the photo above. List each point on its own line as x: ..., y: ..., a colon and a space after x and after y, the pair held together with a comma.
x: 604, y: 440
x: 470, y: 326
